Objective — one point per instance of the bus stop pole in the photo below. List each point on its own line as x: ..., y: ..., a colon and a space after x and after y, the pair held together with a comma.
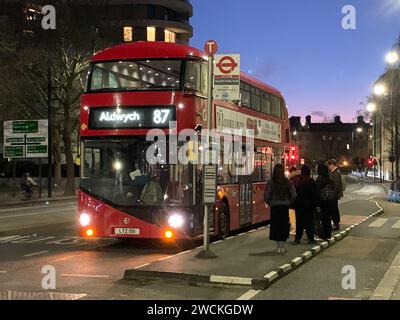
x: 206, y: 253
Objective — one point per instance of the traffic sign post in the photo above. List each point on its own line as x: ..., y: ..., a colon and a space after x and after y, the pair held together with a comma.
x: 25, y: 139
x: 209, y: 170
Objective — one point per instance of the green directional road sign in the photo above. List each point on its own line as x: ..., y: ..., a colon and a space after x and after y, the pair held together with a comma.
x: 25, y: 139
x: 14, y: 152
x: 25, y: 126
x: 31, y: 150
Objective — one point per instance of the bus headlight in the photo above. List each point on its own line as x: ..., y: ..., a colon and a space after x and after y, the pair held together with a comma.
x: 175, y: 221
x: 84, y: 219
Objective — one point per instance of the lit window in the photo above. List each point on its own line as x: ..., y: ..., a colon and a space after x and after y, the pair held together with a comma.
x: 151, y: 34
x: 170, y: 36
x: 128, y: 34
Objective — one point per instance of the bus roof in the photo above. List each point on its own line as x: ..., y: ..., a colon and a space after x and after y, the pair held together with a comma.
x: 166, y: 50
x: 146, y: 49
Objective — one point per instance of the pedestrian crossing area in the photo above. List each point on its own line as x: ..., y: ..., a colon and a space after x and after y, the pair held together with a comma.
x: 393, y: 223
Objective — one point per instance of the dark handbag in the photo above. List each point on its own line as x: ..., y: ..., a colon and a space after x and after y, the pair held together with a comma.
x: 328, y: 193
x: 318, y: 227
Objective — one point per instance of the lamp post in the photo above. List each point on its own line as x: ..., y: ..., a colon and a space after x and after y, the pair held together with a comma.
x: 379, y: 90
x: 392, y: 58
x: 371, y: 108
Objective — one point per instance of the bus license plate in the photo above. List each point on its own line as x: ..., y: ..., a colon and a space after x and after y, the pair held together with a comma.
x: 127, y: 231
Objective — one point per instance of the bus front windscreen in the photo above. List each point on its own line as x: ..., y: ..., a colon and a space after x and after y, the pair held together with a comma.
x: 137, y: 75
x: 117, y: 172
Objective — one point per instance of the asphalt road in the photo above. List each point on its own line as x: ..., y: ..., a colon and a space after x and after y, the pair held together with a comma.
x: 31, y: 238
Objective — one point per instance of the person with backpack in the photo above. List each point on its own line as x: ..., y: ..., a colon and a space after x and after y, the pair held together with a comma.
x: 338, y: 184
x: 305, y: 204
x: 325, y: 196
x: 280, y: 194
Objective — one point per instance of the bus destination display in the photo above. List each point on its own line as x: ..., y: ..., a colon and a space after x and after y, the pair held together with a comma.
x: 131, y: 117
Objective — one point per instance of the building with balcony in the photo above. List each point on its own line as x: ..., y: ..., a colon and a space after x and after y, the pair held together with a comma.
x: 115, y: 21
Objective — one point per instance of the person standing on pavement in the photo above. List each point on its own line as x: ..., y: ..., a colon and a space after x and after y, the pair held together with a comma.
x: 337, y: 179
x: 325, y: 201
x: 280, y: 194
x: 305, y: 204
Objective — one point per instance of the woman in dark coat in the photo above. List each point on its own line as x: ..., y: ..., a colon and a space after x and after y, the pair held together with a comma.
x: 325, y: 200
x: 279, y: 195
x: 305, y: 204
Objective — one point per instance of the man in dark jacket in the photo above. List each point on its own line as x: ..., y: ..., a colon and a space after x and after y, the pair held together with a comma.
x: 336, y: 177
x: 305, y: 204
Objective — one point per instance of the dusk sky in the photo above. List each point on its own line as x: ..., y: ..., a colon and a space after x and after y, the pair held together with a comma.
x: 300, y: 47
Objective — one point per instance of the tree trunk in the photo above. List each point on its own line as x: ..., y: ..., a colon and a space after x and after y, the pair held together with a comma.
x: 69, y: 157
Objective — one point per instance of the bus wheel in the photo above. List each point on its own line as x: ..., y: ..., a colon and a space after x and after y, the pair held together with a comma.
x: 223, y: 221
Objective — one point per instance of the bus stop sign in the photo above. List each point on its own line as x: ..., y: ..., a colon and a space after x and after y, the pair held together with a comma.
x: 211, y: 47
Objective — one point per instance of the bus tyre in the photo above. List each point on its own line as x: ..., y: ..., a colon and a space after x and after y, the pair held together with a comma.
x: 223, y: 221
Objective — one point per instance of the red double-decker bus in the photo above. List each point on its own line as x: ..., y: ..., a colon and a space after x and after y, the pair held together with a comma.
x: 136, y: 87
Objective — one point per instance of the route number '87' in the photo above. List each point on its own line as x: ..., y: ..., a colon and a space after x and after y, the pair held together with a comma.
x: 160, y: 116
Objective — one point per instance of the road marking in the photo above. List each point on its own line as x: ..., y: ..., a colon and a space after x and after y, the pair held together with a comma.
x: 165, y: 258
x: 7, y: 239
x: 36, y: 213
x: 254, y: 230
x: 142, y: 266
x: 389, y: 282
x: 396, y: 225
x: 249, y: 295
x: 85, y: 275
x: 187, y: 251
x: 231, y: 280
x: 378, y: 223
x: 3, y: 272
x: 35, y: 253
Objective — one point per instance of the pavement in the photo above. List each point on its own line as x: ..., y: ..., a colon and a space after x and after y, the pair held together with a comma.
x: 32, y: 238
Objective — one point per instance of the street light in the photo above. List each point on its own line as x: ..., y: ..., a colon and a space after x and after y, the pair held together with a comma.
x: 392, y: 57
x: 371, y: 107
x: 379, y: 89
x: 359, y: 130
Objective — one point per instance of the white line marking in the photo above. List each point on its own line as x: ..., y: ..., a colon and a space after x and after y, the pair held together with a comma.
x: 36, y: 213
x: 165, y: 258
x: 271, y: 276
x: 142, y: 266
x: 35, y: 253
x: 3, y: 272
x: 242, y: 234
x: 251, y: 231
x: 217, y: 241
x: 184, y: 252
x: 378, y: 223
x: 229, y: 238
x: 249, y: 295
x: 388, y: 284
x: 396, y: 225
x: 84, y: 275
x: 231, y: 280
